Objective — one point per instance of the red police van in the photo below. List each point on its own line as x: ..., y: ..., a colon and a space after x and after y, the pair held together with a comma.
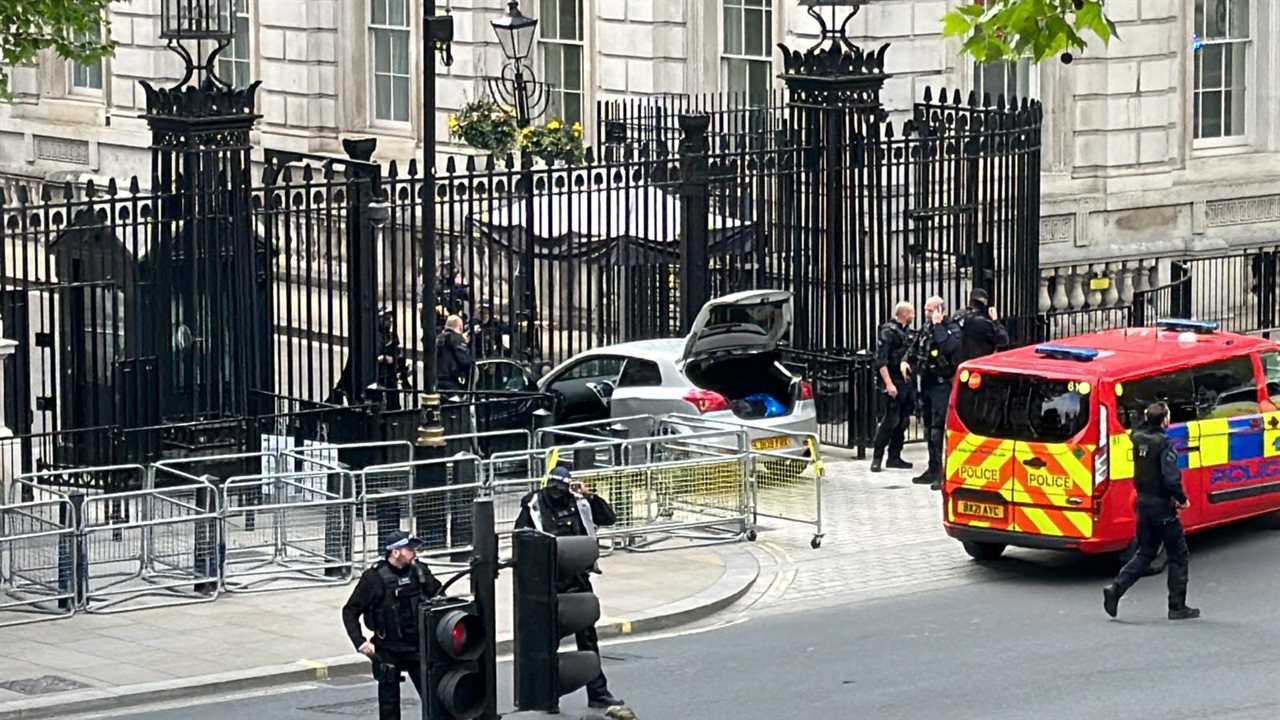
x: 1038, y: 452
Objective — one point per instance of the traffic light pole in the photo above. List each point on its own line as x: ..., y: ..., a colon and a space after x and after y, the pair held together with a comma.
x: 484, y: 575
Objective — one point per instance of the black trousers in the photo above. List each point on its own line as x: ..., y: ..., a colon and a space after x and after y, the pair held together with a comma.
x: 386, y: 670
x: 589, y: 641
x: 894, y: 414
x: 936, y: 397
x: 1152, y: 533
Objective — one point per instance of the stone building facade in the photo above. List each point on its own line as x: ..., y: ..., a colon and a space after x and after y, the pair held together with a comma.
x: 1167, y: 141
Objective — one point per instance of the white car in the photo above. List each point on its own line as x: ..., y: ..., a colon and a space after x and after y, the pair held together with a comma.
x: 727, y: 369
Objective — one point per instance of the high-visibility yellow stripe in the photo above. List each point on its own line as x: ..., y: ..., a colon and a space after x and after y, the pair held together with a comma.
x: 1041, y: 524
x: 1082, y: 521
x: 1121, y: 457
x: 1214, y: 440
x: 1271, y: 435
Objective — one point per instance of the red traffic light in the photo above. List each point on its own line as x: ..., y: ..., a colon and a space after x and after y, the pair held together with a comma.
x: 461, y: 635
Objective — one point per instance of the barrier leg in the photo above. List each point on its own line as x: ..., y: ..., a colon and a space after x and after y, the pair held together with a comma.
x: 460, y: 511
x: 205, y: 557
x: 430, y: 527
x: 337, y: 524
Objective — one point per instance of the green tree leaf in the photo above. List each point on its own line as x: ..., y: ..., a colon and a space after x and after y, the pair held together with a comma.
x: 1039, y: 29
x: 73, y: 29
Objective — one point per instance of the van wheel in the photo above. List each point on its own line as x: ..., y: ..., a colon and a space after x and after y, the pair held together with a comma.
x: 984, y: 552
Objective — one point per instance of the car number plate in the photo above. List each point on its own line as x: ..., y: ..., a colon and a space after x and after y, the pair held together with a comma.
x: 777, y: 442
x: 981, y: 509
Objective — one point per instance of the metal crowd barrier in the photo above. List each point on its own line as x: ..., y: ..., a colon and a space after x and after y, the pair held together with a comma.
x: 786, y: 482
x: 140, y: 548
x: 301, y: 535
x: 38, y: 559
x: 430, y: 499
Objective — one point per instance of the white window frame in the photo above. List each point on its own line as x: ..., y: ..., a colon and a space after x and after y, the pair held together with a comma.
x: 1020, y: 66
x: 74, y: 89
x: 770, y: 26
x: 1250, y: 82
x: 372, y: 74
x: 584, y: 84
x: 229, y: 61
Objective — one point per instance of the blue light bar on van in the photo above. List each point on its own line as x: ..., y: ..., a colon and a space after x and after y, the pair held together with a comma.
x: 1059, y: 352
x: 1195, y: 326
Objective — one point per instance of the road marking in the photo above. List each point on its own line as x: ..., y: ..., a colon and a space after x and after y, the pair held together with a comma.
x: 198, y: 701
x: 321, y: 669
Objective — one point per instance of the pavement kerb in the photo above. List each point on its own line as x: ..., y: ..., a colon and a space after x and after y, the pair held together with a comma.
x: 741, y: 572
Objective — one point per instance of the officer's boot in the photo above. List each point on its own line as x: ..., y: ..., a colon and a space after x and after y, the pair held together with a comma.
x: 1111, y: 599
x: 877, y: 458
x: 1184, y: 613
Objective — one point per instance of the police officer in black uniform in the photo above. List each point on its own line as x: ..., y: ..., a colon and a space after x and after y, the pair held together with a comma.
x: 570, y: 509
x: 388, y: 597
x: 934, y: 358
x: 1160, y: 496
x: 981, y: 332
x: 893, y: 342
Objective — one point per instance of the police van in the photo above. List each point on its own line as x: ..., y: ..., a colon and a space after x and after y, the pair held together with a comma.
x: 1038, y: 451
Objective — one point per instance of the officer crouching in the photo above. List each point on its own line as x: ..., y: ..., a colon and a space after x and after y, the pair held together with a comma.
x: 389, y: 597
x: 570, y: 509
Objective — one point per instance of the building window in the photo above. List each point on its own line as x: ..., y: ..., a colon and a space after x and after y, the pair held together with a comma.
x: 1221, y: 56
x: 87, y: 78
x: 562, y: 56
x: 748, y: 49
x: 1017, y: 79
x: 389, y: 37
x: 233, y: 62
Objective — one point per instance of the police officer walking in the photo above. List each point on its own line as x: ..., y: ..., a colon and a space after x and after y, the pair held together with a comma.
x: 981, y: 330
x: 1160, y: 496
x: 389, y: 597
x: 934, y: 357
x: 570, y: 509
x: 896, y: 398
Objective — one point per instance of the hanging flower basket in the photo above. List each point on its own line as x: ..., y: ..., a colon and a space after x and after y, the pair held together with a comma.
x: 554, y: 142
x: 485, y: 125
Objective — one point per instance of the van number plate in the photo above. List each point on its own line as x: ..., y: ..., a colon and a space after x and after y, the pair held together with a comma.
x: 777, y: 442
x: 980, y: 509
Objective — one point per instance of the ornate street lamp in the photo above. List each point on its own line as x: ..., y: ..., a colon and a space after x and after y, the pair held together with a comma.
x: 518, y: 85
x: 197, y: 21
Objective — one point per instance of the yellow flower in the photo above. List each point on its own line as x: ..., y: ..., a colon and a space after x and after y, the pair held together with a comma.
x: 577, y: 129
x: 554, y: 125
x: 453, y: 122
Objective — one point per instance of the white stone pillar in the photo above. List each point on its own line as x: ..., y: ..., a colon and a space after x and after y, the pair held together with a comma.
x: 10, y: 462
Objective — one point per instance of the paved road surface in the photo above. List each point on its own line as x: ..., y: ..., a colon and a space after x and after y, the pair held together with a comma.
x: 1024, y: 638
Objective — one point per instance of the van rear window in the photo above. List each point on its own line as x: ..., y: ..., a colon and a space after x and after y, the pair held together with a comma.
x: 1023, y: 407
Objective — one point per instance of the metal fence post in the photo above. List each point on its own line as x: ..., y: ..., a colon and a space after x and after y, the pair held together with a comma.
x: 695, y: 209
x: 484, y: 574
x: 362, y: 275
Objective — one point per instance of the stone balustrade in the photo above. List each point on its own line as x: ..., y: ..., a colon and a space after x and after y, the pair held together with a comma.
x: 1096, y: 285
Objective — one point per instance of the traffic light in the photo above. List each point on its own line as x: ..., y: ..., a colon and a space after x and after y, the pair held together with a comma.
x: 453, y: 638
x: 543, y: 617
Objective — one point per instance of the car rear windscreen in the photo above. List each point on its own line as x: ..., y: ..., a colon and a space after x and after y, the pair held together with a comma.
x: 1023, y: 407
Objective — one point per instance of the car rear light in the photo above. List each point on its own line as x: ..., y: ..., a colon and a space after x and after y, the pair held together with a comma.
x: 706, y: 401
x: 806, y: 390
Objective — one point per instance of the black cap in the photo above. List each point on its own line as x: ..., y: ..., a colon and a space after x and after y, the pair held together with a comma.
x: 397, y: 539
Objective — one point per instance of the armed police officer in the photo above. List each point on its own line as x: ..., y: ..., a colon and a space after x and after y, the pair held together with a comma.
x: 981, y: 332
x: 570, y: 509
x: 896, y: 398
x: 389, y: 597
x: 1160, y: 497
x: 934, y: 357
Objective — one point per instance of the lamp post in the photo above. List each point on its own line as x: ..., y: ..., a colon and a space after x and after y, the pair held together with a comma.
x: 518, y: 87
x: 437, y: 37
